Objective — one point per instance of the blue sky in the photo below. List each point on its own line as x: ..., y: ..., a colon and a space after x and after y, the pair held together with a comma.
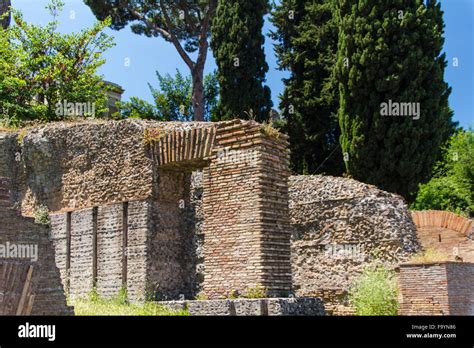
x: 147, y: 55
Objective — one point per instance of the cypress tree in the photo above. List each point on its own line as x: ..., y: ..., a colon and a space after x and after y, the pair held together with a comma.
x: 306, y: 38
x: 5, y: 13
x: 390, y: 52
x: 237, y: 43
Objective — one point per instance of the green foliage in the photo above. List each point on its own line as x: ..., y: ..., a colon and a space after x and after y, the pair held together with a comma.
x: 237, y: 44
x: 39, y: 68
x: 173, y: 99
x: 391, y: 50
x: 257, y: 291
x: 5, y: 14
x: 184, y: 23
x: 375, y: 292
x: 42, y: 216
x: 452, y: 187
x: 306, y: 46
x: 201, y: 297
x: 94, y: 304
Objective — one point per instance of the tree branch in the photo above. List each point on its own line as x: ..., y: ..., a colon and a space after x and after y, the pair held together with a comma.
x: 174, y: 39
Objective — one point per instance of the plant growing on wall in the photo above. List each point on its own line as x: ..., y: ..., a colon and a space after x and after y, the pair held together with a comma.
x: 42, y: 216
x: 41, y: 69
x: 375, y: 292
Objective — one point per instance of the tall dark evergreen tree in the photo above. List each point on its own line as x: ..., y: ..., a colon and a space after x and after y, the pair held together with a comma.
x: 5, y: 13
x: 390, y: 52
x: 237, y: 43
x: 306, y: 38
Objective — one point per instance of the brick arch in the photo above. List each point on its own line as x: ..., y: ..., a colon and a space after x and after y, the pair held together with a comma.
x: 444, y: 219
x: 245, y: 200
x: 445, y: 232
x: 178, y: 146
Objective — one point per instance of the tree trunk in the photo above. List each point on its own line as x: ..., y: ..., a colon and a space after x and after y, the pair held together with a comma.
x: 4, y: 8
x: 198, y: 93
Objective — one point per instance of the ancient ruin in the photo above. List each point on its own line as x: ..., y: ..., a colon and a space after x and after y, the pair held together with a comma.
x: 176, y: 211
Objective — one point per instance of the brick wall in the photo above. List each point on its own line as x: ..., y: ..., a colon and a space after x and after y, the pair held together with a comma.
x: 443, y: 288
x: 447, y: 233
x: 47, y: 289
x: 245, y: 237
x: 246, y: 224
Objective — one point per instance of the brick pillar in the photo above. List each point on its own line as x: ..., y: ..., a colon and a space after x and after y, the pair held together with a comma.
x: 246, y: 218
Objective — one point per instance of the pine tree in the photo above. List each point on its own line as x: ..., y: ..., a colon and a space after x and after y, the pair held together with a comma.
x: 306, y: 38
x: 183, y: 23
x: 390, y: 51
x: 237, y: 43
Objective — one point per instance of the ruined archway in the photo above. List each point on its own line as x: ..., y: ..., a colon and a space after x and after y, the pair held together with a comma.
x: 245, y: 201
x: 118, y: 192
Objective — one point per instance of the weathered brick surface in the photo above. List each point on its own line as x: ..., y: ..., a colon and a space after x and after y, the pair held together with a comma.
x: 80, y: 272
x: 251, y: 307
x: 442, y: 288
x: 245, y: 208
x: 447, y: 233
x: 235, y: 238
x: 48, y: 292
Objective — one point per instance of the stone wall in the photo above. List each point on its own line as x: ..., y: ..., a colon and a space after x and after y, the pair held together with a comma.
x: 235, y: 238
x: 46, y: 288
x: 94, y: 249
x: 251, y: 307
x: 72, y: 166
x: 340, y: 227
x: 439, y: 288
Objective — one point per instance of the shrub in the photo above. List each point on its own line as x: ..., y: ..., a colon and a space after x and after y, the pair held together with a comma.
x: 258, y: 291
x: 375, y: 292
x: 42, y: 216
x: 452, y: 186
x: 444, y: 194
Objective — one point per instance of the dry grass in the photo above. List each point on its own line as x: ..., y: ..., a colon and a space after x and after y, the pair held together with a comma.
x: 270, y: 131
x: 94, y: 305
x: 429, y: 255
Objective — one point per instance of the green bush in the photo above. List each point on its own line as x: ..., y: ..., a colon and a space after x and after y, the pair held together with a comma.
x: 257, y: 291
x: 42, y: 216
x: 452, y: 185
x: 444, y: 194
x: 375, y: 292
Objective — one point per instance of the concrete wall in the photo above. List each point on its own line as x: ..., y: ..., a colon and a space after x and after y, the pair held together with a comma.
x: 441, y: 288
